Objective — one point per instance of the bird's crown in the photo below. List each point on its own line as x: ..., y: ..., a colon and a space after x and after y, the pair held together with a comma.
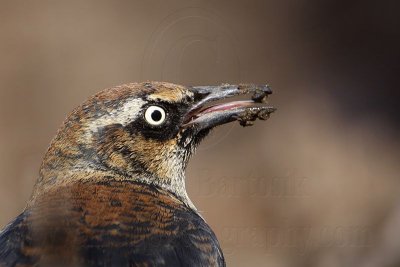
x: 143, y: 132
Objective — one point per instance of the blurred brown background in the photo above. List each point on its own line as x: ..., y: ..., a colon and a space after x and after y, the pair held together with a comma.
x: 316, y: 185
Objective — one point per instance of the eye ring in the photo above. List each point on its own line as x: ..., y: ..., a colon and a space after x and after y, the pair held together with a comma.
x: 155, y: 115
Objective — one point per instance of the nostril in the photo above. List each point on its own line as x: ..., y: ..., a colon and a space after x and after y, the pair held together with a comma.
x: 200, y: 95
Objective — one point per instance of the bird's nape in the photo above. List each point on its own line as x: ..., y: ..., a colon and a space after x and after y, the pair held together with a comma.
x: 111, y: 189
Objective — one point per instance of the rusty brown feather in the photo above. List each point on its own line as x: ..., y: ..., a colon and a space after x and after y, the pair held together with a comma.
x: 111, y: 188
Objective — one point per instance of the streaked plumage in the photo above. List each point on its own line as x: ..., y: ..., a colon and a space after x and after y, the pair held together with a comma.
x: 111, y: 190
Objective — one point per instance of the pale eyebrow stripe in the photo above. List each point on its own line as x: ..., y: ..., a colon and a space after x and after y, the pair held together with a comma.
x: 123, y: 115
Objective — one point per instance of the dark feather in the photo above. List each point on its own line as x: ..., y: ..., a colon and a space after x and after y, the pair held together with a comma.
x: 109, y: 224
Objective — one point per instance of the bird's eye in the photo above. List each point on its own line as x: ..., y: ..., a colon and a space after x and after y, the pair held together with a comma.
x: 154, y: 115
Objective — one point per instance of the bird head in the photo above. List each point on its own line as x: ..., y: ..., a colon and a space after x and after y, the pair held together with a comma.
x: 144, y: 132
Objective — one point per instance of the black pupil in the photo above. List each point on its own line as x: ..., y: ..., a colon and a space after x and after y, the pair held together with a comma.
x: 156, y: 115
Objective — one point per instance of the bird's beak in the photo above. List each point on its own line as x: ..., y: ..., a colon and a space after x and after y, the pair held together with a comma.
x: 203, y: 116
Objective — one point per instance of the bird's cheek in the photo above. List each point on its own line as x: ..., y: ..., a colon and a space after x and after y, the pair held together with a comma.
x: 113, y: 147
x: 159, y: 157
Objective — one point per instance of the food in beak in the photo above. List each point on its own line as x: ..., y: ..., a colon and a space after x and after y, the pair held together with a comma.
x: 244, y: 111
